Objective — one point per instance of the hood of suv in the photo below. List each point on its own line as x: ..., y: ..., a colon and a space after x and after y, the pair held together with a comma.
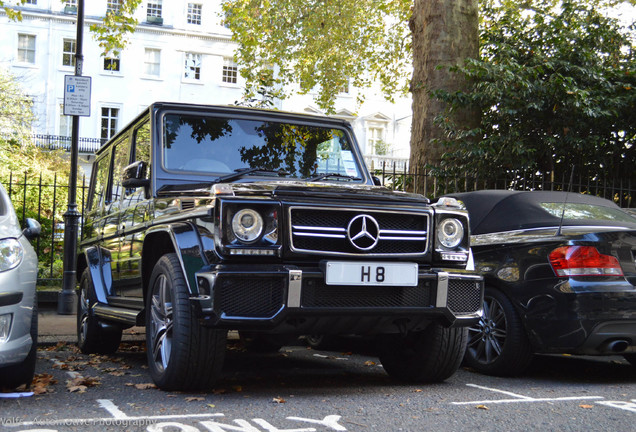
x: 324, y: 190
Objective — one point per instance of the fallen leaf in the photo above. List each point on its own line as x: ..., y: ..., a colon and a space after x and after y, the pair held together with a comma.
x: 369, y: 363
x: 212, y: 405
x: 194, y: 399
x: 41, y: 382
x: 279, y: 400
x: 482, y: 407
x: 417, y: 390
x: 586, y: 406
x: 80, y: 383
x: 78, y: 389
x: 238, y: 389
x: 143, y: 386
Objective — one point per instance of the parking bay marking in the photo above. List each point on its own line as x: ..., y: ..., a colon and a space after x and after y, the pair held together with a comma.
x: 520, y: 398
x: 330, y: 421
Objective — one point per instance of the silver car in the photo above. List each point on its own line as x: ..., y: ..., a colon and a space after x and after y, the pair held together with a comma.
x: 18, y: 303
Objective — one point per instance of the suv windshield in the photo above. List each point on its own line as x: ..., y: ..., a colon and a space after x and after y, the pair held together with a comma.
x: 208, y: 144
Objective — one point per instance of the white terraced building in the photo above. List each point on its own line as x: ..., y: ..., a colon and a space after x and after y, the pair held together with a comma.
x: 179, y: 52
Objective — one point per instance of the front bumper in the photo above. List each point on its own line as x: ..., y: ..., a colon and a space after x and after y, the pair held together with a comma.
x: 295, y: 299
x: 19, y: 307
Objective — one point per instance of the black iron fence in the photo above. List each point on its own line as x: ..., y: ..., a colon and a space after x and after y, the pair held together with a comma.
x: 55, y: 142
x: 435, y: 183
x: 47, y: 202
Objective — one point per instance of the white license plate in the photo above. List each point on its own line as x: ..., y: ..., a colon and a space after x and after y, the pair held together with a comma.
x: 371, y: 273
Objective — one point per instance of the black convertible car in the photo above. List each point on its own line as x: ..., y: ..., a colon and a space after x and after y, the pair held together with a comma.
x: 560, y: 277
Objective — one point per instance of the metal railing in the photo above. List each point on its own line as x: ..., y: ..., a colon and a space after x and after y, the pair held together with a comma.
x: 55, y: 142
x: 45, y: 202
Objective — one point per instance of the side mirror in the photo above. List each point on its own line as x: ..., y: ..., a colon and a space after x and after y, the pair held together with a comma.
x: 136, y: 175
x: 376, y: 180
x: 32, y: 230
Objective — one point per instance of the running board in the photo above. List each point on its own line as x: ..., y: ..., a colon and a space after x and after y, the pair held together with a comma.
x: 117, y: 314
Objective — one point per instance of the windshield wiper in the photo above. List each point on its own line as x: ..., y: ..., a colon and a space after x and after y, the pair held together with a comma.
x: 240, y: 172
x: 326, y: 175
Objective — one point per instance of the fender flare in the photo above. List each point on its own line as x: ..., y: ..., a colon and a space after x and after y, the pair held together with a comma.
x: 186, y: 242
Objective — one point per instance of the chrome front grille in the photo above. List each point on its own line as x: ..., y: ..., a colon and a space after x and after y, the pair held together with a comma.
x: 358, y: 232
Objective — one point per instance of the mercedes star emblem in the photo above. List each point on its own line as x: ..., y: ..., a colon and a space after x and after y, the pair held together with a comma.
x: 363, y: 232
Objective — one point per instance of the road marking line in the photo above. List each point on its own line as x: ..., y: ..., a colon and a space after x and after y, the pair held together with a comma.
x: 499, y: 391
x: 519, y: 398
x: 627, y: 406
x: 113, y: 409
x: 496, y: 401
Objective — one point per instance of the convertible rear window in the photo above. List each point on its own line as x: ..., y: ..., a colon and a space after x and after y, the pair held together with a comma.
x: 211, y: 144
x: 578, y: 211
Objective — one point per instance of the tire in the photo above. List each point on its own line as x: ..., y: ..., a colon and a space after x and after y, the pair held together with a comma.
x: 498, y: 345
x: 93, y: 337
x: 22, y: 373
x: 321, y: 341
x: 182, y: 355
x: 427, y: 356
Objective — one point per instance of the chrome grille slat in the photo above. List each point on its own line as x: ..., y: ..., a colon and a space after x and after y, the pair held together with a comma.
x: 319, y: 230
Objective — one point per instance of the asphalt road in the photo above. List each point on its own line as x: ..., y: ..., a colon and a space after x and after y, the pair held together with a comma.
x: 304, y: 390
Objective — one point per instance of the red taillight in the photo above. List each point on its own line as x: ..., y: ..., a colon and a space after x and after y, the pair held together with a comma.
x: 583, y: 261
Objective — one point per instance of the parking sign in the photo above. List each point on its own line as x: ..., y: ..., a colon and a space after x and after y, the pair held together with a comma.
x: 77, y: 95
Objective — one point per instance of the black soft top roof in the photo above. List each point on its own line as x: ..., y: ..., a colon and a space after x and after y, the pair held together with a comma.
x: 504, y: 210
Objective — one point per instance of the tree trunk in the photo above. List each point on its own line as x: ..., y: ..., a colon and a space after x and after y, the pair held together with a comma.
x: 444, y: 34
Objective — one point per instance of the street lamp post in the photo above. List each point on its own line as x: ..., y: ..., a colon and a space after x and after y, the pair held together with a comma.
x: 67, y: 297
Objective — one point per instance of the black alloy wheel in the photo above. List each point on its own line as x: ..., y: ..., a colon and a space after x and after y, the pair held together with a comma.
x: 498, y: 344
x: 182, y: 354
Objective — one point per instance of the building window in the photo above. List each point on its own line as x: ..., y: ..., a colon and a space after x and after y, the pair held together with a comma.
x: 109, y: 122
x: 111, y: 63
x: 66, y: 123
x: 68, y: 52
x: 70, y: 3
x: 152, y: 62
x: 154, y: 9
x: 194, y: 13
x: 26, y: 48
x: 32, y: 2
x: 192, y: 66
x: 113, y: 6
x: 230, y: 71
x: 375, y: 140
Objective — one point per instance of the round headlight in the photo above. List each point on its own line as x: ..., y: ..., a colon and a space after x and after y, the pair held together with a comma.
x: 247, y: 225
x: 10, y: 254
x: 450, y: 232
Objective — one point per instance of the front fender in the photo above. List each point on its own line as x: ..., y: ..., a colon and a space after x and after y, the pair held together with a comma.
x: 186, y: 243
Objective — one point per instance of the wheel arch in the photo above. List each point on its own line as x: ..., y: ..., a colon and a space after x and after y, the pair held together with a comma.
x: 181, y: 238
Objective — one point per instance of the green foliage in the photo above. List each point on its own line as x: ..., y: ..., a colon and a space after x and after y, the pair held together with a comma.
x: 12, y: 14
x: 112, y: 33
x: 555, y: 86
x: 322, y: 44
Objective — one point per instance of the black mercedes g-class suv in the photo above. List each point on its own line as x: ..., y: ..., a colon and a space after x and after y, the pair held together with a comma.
x: 204, y: 219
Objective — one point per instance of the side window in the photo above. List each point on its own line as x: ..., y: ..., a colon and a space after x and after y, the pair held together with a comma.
x: 142, y: 143
x: 141, y: 153
x: 102, y: 166
x: 122, y: 159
